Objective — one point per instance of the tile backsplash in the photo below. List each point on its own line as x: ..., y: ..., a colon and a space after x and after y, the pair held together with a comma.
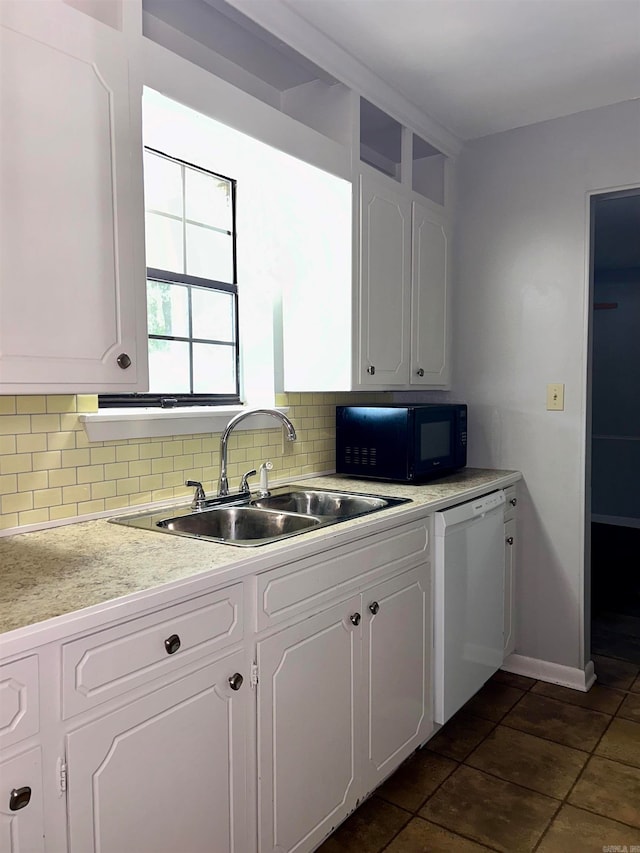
x: 49, y: 470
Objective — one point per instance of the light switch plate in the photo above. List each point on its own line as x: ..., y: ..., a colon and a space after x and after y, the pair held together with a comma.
x: 555, y: 397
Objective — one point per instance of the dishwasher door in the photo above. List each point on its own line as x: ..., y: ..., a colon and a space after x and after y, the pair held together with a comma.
x: 469, y: 600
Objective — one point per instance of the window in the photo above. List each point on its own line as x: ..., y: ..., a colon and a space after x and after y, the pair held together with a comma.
x: 192, y: 293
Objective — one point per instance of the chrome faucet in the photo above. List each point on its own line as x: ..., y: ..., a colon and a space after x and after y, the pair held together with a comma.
x: 223, y: 486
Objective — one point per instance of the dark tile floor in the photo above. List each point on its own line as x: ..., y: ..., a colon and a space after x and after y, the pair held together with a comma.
x: 523, y: 766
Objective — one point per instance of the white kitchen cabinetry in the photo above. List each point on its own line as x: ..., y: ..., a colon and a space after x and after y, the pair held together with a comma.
x: 429, y: 298
x: 344, y: 696
x: 72, y: 277
x: 403, y: 288
x: 165, y: 772
x: 510, y: 544
x: 385, y: 282
x: 21, y: 803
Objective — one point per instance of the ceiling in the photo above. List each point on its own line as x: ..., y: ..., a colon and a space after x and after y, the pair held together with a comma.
x: 483, y: 66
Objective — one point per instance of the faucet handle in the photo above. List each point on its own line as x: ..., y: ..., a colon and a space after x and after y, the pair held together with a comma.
x: 199, y: 497
x: 244, y: 485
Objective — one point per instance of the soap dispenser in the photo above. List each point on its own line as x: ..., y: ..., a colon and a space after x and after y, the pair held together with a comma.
x: 263, y: 490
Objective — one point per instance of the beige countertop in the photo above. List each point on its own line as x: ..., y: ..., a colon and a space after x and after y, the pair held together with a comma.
x: 53, y: 572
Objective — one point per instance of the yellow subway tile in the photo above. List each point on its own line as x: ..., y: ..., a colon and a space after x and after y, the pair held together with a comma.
x: 32, y: 481
x: 47, y: 497
x: 151, y: 483
x: 246, y: 439
x: 61, y: 441
x: 116, y: 470
x: 75, y: 458
x: 7, y: 444
x: 82, y: 440
x: 161, y: 494
x: 45, y: 423
x: 87, y: 507
x: 128, y: 486
x: 127, y: 453
x: 70, y: 421
x: 90, y: 473
x: 162, y: 466
x: 15, y: 464
x: 102, y: 455
x: 87, y: 402
x: 282, y: 400
x: 8, y: 484
x: 63, y: 477
x: 31, y: 443
x: 201, y: 460
x: 31, y: 405
x: 142, y: 498
x: 192, y: 445
x: 173, y: 478
x: 152, y: 450
x: 17, y: 503
x: 8, y: 521
x: 75, y: 494
x: 63, y: 511
x: 172, y: 448
x: 33, y: 516
x: 182, y: 462
x: 103, y: 490
x: 118, y: 502
x: 14, y: 424
x: 61, y: 403
x: 7, y: 405
x: 140, y: 468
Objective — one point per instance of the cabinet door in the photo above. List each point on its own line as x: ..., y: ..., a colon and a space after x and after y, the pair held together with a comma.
x: 306, y: 729
x: 385, y: 283
x: 165, y: 773
x: 72, y: 279
x: 509, y: 586
x: 397, y: 665
x: 21, y: 812
x: 429, y: 338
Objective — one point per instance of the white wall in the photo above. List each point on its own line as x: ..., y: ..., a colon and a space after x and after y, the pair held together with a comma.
x: 520, y: 313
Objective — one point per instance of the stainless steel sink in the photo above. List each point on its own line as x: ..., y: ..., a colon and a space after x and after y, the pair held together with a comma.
x: 248, y: 521
x: 240, y: 525
x: 312, y: 502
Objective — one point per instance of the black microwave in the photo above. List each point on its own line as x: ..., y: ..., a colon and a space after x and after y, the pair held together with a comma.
x: 402, y: 443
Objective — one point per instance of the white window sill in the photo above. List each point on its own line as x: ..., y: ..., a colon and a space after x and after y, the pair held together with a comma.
x: 117, y: 424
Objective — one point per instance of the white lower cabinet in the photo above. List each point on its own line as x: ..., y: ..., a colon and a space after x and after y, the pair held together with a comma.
x: 21, y: 806
x: 307, y: 717
x: 397, y: 667
x: 166, y: 772
x: 343, y: 698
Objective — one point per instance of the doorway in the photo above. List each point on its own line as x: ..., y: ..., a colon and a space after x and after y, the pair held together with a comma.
x: 615, y: 426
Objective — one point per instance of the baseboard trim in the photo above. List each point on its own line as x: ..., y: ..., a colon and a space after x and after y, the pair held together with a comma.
x: 553, y: 673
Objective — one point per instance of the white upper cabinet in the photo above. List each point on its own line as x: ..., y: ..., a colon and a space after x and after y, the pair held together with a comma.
x: 385, y: 278
x: 72, y: 279
x: 429, y: 298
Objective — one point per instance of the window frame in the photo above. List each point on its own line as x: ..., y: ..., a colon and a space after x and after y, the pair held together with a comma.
x: 167, y: 400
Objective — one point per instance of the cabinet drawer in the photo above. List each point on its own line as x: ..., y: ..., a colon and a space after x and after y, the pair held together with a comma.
x: 289, y: 590
x: 110, y: 662
x: 511, y: 502
x: 19, y: 701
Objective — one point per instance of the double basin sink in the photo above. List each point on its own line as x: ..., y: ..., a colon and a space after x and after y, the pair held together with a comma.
x: 248, y: 521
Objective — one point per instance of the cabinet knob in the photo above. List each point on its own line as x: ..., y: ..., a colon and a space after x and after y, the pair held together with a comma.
x: 513, y: 501
x: 420, y: 371
x: 355, y: 618
x: 509, y: 540
x: 19, y: 798
x: 371, y: 370
x: 123, y: 360
x: 374, y: 607
x: 172, y: 644
x: 235, y: 681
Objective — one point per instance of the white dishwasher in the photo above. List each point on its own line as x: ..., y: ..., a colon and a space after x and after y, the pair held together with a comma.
x: 469, y: 600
